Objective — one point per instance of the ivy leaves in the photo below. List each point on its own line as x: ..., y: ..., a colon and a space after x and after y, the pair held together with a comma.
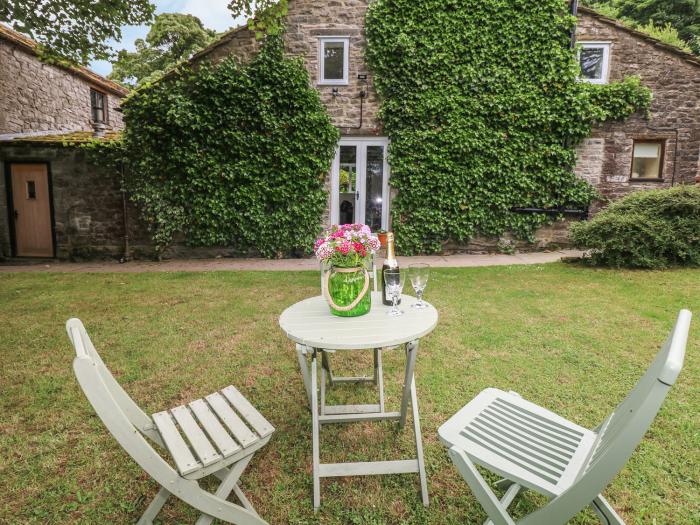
x: 484, y: 110
x: 231, y: 155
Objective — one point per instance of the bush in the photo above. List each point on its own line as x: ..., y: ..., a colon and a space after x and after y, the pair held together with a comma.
x: 647, y: 229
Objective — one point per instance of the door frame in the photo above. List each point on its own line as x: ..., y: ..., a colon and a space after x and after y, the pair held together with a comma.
x: 11, y: 206
x: 361, y: 189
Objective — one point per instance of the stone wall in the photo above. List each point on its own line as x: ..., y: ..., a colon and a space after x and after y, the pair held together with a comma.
x: 88, y: 206
x: 306, y: 22
x: 38, y: 97
x: 605, y: 160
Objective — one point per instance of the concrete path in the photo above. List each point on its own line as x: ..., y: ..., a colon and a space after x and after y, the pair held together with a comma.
x: 207, y: 265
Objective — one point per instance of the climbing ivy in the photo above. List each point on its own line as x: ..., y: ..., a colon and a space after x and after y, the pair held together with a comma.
x: 484, y: 110
x: 231, y: 154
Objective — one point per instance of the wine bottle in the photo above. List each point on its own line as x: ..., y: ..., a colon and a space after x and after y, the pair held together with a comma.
x: 390, y: 263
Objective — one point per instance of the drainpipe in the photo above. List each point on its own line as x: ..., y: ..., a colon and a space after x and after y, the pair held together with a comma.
x: 125, y: 215
x: 574, y: 12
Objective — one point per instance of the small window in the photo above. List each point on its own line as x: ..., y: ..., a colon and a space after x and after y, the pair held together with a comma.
x: 648, y: 160
x: 594, y: 59
x: 31, y: 190
x: 98, y: 104
x: 334, y: 61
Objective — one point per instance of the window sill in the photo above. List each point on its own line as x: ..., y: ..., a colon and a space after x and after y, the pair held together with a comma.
x: 632, y: 179
x: 333, y: 83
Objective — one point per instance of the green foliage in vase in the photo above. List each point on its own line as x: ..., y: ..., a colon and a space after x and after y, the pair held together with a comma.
x: 233, y: 155
x: 484, y: 109
x: 173, y: 37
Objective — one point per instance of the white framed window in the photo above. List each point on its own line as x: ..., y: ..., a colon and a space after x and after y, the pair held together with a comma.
x: 648, y: 159
x: 334, y: 60
x: 594, y: 59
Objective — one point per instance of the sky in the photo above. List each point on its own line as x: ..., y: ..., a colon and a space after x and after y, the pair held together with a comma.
x: 213, y: 13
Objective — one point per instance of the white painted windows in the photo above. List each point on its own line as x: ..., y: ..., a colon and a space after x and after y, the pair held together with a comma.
x: 98, y: 106
x: 334, y: 60
x: 594, y: 59
x: 647, y: 162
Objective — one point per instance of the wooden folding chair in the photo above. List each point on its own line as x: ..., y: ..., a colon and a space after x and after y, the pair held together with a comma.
x: 217, y: 435
x: 535, y: 449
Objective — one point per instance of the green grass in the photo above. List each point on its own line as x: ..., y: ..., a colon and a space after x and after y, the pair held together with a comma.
x: 572, y: 339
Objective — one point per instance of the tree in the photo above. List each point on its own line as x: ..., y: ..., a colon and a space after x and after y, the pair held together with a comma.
x: 74, y: 30
x: 264, y: 16
x: 172, y: 38
x: 683, y: 15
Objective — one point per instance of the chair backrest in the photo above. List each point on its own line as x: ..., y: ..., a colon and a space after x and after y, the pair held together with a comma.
x: 85, y: 350
x: 621, y: 431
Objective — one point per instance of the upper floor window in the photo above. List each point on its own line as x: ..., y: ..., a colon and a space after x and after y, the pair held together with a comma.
x: 648, y: 159
x: 594, y: 59
x: 334, y: 60
x: 98, y: 105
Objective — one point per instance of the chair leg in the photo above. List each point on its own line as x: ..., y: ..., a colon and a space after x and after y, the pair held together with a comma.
x: 154, y: 507
x: 606, y: 514
x: 483, y: 493
x: 229, y: 479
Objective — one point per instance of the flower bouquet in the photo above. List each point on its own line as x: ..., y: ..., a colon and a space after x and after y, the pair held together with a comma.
x: 346, y: 254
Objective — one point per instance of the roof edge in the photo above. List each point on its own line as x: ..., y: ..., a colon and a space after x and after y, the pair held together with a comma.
x: 684, y: 55
x: 31, y: 46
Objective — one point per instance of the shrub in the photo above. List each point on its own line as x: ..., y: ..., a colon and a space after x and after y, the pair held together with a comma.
x: 647, y: 229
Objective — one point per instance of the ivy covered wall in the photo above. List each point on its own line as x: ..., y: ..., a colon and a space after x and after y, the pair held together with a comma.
x: 483, y: 108
x: 230, y: 155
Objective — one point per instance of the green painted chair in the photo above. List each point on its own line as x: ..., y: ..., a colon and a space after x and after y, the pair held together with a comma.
x: 532, y: 448
x: 214, y: 436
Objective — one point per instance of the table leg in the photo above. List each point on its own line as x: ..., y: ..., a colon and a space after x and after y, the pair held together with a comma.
x: 419, y: 444
x: 411, y: 352
x: 304, y: 367
x: 315, y: 431
x: 379, y: 376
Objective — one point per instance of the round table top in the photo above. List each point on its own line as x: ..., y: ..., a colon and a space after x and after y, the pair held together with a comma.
x: 311, y: 323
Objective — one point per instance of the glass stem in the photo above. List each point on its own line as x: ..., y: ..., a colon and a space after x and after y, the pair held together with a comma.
x: 394, y: 298
x: 420, y: 297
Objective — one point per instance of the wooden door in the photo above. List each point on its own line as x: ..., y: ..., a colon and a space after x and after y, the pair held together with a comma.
x: 32, y: 210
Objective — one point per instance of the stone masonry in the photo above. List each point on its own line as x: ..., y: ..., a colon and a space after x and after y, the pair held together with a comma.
x: 605, y: 159
x: 306, y: 22
x: 38, y: 97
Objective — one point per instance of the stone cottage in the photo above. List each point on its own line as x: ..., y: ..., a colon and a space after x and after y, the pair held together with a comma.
x: 646, y: 151
x: 660, y: 149
x: 53, y: 202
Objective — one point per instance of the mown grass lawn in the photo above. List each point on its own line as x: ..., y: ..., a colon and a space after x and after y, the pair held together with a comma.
x: 572, y: 339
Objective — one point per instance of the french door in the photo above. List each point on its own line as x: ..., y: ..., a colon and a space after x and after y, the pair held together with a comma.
x: 360, y: 183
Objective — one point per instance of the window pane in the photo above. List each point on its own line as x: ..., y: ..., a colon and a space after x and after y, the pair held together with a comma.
x: 647, y: 161
x: 375, y: 183
x: 348, y: 184
x: 97, y: 102
x: 31, y: 189
x: 333, y: 60
x: 592, y: 62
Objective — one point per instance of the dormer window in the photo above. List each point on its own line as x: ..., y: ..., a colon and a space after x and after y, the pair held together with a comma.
x: 98, y: 105
x: 594, y: 59
x: 334, y: 61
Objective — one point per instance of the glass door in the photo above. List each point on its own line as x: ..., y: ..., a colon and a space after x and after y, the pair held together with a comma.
x: 359, y: 183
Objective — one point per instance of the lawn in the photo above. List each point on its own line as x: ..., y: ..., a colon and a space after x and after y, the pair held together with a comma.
x: 572, y: 339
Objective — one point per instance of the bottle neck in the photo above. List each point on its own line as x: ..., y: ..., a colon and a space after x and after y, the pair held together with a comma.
x: 390, y: 255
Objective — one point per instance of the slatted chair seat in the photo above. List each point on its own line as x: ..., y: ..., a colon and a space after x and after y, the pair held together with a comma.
x: 216, y: 435
x: 208, y: 434
x: 520, y: 440
x: 533, y: 448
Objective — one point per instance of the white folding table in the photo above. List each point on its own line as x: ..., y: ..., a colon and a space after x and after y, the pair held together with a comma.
x: 318, y: 333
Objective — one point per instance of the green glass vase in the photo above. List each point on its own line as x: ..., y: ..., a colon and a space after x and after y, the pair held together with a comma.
x: 344, y: 286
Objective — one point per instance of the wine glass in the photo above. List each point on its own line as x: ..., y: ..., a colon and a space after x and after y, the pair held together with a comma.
x: 394, y: 280
x: 419, y: 274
